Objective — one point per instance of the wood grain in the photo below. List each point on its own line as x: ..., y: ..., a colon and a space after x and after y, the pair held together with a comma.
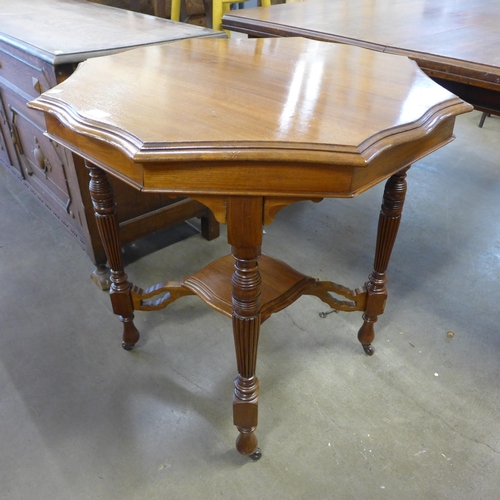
x: 454, y: 41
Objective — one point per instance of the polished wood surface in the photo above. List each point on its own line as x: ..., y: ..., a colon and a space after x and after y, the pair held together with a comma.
x: 53, y: 31
x: 454, y: 41
x: 324, y: 122
x: 279, y: 121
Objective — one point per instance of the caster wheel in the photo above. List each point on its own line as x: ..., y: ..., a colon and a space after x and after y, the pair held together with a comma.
x: 369, y: 349
x: 127, y: 347
x: 256, y: 455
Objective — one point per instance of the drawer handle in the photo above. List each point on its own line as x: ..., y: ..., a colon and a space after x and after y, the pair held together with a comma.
x: 40, y: 160
x: 36, y: 85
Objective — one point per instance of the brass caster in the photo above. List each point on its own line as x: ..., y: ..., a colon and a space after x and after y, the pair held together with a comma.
x: 127, y: 347
x: 256, y: 455
x: 369, y: 349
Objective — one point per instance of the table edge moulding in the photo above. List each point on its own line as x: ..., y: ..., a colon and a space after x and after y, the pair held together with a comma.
x: 262, y: 136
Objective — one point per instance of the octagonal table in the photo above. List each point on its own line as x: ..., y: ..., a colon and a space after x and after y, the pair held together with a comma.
x: 248, y: 127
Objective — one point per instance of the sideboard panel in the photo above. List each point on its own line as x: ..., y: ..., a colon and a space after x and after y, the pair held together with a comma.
x: 54, y: 175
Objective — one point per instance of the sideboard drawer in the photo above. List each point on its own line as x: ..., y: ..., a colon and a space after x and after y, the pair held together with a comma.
x: 45, y: 165
x: 26, y: 77
x: 4, y: 152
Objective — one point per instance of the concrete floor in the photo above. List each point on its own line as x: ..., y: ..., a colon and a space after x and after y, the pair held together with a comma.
x: 82, y: 419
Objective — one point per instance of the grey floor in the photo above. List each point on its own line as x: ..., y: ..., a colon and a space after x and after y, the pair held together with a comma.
x: 82, y: 419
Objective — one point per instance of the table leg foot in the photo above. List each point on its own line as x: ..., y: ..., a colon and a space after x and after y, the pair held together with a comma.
x: 130, y: 333
x: 245, y: 413
x: 101, y: 277
x: 366, y: 334
x: 246, y: 443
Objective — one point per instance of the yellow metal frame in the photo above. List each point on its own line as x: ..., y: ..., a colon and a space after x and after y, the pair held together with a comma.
x: 219, y: 7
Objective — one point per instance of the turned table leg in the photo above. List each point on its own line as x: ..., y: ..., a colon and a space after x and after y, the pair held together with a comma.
x: 245, y: 236
x: 101, y: 193
x: 388, y: 225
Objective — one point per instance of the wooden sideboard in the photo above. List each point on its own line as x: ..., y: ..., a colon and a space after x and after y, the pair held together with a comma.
x: 41, y: 44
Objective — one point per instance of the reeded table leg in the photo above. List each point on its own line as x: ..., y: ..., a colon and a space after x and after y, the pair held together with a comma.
x: 245, y: 236
x: 101, y: 193
x: 388, y: 225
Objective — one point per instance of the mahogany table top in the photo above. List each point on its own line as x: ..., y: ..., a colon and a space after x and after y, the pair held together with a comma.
x: 459, y: 36
x: 285, y: 116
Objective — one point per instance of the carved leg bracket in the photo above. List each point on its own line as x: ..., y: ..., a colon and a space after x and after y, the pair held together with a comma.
x: 324, y: 289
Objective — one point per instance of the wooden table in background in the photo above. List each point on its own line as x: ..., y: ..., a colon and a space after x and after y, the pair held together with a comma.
x: 247, y: 127
x: 456, y: 42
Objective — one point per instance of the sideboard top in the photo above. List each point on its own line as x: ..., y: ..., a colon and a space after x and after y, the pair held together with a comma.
x: 70, y: 31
